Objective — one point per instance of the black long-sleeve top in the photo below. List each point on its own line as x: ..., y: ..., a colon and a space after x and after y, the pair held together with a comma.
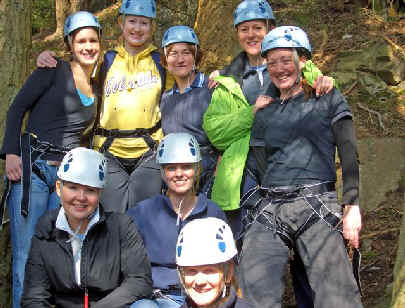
x: 57, y: 114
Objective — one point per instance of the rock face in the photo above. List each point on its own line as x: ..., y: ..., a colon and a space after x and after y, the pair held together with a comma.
x: 382, y: 167
x: 376, y: 69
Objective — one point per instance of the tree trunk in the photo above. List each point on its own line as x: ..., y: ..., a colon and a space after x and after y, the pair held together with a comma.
x: 214, y: 23
x: 62, y: 9
x: 15, y: 44
x: 76, y: 5
x: 95, y: 5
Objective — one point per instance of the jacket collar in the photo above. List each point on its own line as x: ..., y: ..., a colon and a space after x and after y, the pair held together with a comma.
x: 198, y: 82
x: 47, y: 229
x: 63, y: 224
x: 200, y: 207
x: 237, y: 67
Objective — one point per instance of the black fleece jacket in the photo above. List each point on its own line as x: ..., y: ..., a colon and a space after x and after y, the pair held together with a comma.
x: 114, y: 266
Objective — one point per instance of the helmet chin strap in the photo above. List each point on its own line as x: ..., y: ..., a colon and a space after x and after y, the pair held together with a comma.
x: 179, y: 211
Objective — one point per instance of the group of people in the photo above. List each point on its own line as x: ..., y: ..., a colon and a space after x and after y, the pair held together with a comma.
x: 193, y: 190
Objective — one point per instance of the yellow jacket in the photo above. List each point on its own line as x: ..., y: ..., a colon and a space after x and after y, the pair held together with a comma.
x: 131, y: 100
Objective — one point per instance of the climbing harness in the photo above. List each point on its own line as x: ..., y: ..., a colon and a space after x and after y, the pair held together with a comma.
x: 31, y: 150
x: 259, y: 200
x: 111, y: 134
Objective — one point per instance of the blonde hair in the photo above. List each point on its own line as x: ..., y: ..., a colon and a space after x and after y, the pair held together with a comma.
x: 121, y: 19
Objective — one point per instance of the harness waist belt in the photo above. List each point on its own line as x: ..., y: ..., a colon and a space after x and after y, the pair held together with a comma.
x: 133, y: 133
x: 111, y: 134
x: 295, y: 191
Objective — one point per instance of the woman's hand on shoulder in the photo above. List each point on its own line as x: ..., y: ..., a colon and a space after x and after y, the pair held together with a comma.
x: 352, y: 224
x: 13, y: 167
x: 211, y: 82
x: 262, y: 101
x: 323, y: 85
x: 47, y: 59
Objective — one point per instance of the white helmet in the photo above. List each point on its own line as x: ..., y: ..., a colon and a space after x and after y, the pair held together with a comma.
x: 83, y: 166
x: 205, y: 241
x: 178, y: 148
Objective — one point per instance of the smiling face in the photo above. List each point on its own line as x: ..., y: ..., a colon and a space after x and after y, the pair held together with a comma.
x: 137, y: 31
x: 86, y: 46
x: 78, y: 201
x: 204, y: 283
x: 282, y: 68
x: 179, y: 177
x: 250, y: 35
x: 180, y: 59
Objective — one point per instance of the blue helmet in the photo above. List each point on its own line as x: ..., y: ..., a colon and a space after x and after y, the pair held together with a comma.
x: 285, y: 37
x: 251, y: 10
x: 79, y: 20
x: 179, y: 34
x: 145, y: 8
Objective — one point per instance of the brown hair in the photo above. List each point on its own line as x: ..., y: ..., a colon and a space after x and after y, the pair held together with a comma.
x: 68, y: 48
x: 194, y: 49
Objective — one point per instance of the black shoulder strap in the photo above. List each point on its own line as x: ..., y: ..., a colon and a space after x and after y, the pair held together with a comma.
x: 156, y: 58
x: 107, y: 62
x: 105, y: 67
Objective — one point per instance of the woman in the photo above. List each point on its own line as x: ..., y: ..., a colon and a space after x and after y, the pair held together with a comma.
x: 61, y: 105
x: 242, y: 89
x: 204, y: 255
x: 299, y: 208
x: 128, y: 127
x: 184, y: 105
x: 159, y: 219
x: 97, y: 258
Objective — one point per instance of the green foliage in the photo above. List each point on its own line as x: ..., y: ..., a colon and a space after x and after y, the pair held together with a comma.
x: 43, y: 16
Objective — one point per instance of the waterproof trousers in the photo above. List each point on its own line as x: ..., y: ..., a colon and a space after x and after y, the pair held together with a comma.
x: 321, y: 248
x: 123, y: 190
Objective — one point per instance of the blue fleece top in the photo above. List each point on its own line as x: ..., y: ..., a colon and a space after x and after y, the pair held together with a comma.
x: 156, y: 222
x: 184, y: 112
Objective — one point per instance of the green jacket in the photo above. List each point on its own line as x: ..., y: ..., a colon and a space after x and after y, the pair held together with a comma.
x: 227, y: 123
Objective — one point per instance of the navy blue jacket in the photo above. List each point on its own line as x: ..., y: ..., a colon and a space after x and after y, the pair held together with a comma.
x: 183, y: 113
x: 156, y: 222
